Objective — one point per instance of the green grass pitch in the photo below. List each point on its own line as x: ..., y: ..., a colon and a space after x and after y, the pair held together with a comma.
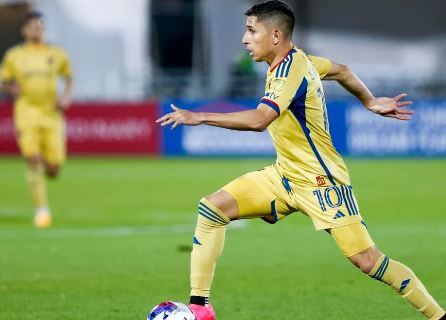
x: 122, y: 235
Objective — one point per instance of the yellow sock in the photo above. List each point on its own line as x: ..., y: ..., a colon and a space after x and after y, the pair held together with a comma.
x: 407, y: 285
x: 37, y: 185
x: 208, y: 245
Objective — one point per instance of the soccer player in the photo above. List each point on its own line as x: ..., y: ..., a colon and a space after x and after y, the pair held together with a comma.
x: 309, y: 175
x: 29, y: 73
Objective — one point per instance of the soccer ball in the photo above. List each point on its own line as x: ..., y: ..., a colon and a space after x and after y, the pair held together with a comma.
x: 171, y: 310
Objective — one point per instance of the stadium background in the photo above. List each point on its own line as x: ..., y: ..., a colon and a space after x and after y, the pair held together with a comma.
x: 123, y: 223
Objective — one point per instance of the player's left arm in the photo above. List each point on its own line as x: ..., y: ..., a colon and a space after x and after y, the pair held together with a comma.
x: 250, y: 120
x: 65, y: 71
x: 385, y: 106
x: 65, y: 99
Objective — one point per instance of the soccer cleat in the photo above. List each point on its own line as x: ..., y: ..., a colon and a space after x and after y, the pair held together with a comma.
x: 202, y: 312
x: 42, y: 219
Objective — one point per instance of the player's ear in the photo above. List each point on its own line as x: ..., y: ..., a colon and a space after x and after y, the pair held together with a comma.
x: 276, y: 35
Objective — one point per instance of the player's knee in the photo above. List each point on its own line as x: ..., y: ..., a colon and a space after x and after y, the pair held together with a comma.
x: 366, y: 259
x: 52, y: 171
x: 33, y: 162
x: 225, y: 203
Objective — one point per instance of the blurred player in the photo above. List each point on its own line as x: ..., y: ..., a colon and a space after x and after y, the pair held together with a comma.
x: 309, y: 175
x: 29, y: 73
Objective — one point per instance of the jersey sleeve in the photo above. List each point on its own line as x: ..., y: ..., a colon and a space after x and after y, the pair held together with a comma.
x: 6, y: 68
x: 281, y: 90
x: 65, y: 66
x: 322, y: 65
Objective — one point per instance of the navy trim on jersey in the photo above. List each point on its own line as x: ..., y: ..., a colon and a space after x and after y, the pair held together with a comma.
x: 273, y: 210
x: 297, y: 108
x: 271, y: 104
x: 273, y: 213
x: 283, y: 68
x: 292, y: 50
x: 288, y: 66
x: 346, y: 201
x: 280, y: 72
x: 350, y: 195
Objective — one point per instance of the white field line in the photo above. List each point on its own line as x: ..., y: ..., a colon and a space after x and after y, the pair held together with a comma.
x: 94, y: 232
x: 105, y: 231
x: 13, y: 212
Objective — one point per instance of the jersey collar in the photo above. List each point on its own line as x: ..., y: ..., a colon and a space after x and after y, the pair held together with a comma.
x: 292, y: 50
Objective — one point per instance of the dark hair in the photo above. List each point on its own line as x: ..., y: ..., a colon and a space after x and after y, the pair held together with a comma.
x: 275, y: 10
x: 31, y: 16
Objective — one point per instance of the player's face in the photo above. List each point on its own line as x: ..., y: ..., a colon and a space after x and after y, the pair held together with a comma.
x: 258, y: 39
x: 33, y: 30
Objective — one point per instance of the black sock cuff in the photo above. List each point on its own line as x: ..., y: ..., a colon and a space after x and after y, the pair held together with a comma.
x: 202, y: 301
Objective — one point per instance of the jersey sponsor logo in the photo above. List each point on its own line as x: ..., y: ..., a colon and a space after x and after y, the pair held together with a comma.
x: 320, y: 181
x: 275, y: 88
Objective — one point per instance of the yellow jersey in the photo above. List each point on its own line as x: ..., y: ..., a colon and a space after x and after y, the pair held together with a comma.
x: 305, y: 152
x: 35, y: 68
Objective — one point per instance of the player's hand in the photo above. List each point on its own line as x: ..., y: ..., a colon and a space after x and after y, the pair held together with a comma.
x: 179, y: 116
x: 15, y: 90
x: 63, y: 102
x: 12, y: 88
x: 391, y: 107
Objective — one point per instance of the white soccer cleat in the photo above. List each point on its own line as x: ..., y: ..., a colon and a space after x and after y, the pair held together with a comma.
x: 42, y: 219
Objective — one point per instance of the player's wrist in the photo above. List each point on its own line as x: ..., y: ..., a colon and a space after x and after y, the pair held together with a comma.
x: 201, y: 117
x: 369, y: 102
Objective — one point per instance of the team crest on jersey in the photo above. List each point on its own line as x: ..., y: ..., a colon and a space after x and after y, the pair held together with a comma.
x: 277, y: 84
x: 50, y: 60
x: 320, y: 181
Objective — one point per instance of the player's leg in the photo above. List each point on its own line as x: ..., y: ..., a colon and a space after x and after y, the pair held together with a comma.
x: 28, y: 139
x: 335, y: 208
x: 249, y: 196
x: 36, y: 183
x: 54, y: 151
x: 214, y: 214
x: 356, y: 244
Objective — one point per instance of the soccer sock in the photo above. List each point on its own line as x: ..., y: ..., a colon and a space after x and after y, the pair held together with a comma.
x: 36, y: 182
x: 407, y: 285
x: 208, y: 245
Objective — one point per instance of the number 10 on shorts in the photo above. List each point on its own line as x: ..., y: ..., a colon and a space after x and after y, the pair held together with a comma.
x: 335, y: 197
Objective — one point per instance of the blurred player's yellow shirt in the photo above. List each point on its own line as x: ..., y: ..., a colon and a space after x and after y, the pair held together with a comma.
x: 35, y: 68
x: 305, y: 152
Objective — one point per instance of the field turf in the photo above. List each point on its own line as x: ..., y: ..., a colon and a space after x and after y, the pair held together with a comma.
x: 122, y: 235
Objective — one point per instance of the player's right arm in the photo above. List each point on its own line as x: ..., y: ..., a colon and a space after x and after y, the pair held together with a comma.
x: 281, y: 91
x: 250, y: 120
x: 8, y: 85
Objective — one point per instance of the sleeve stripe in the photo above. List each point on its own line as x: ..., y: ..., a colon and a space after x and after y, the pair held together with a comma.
x: 288, y: 67
x: 271, y: 104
